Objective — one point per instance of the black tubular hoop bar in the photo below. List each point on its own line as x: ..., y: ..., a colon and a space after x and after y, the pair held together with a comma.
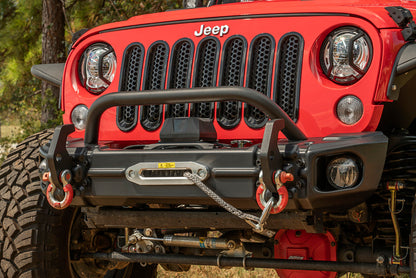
x: 223, y: 261
x: 252, y: 97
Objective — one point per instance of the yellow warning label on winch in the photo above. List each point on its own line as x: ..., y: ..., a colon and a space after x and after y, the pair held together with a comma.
x: 166, y: 165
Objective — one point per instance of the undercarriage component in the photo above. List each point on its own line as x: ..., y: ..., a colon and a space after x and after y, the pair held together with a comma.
x: 224, y: 261
x: 393, y: 187
x: 199, y: 242
x: 141, y: 219
x: 364, y: 254
x: 144, y: 244
x: 299, y: 245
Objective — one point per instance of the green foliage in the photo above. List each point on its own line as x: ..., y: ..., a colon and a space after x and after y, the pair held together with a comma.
x: 21, y: 47
x: 87, y: 14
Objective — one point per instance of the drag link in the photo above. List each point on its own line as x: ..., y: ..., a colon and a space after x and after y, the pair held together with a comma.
x: 225, y: 261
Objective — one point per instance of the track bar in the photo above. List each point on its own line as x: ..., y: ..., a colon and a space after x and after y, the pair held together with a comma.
x: 222, y: 261
x: 252, y: 97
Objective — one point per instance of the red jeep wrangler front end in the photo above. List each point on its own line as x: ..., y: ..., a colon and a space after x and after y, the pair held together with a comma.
x: 271, y: 134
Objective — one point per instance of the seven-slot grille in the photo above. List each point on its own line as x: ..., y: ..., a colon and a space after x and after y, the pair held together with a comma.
x: 204, y: 59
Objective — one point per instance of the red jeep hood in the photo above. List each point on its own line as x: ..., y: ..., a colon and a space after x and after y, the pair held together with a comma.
x: 371, y: 10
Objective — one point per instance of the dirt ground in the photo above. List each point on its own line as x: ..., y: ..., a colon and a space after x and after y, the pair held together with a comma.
x: 235, y: 272
x: 215, y: 272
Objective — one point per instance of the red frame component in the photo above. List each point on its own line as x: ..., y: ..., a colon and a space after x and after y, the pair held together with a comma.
x: 300, y: 245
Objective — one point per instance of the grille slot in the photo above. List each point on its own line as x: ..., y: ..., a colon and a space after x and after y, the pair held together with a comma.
x: 238, y: 68
x: 133, y: 62
x: 288, y: 74
x: 157, y: 57
x: 232, y: 74
x: 180, y: 75
x: 259, y: 76
x: 205, y: 74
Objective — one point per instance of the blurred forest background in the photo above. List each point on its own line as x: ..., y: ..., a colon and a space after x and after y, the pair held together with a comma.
x: 40, y: 31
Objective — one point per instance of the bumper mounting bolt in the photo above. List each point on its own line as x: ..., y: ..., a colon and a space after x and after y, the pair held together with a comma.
x: 202, y: 173
x: 380, y: 260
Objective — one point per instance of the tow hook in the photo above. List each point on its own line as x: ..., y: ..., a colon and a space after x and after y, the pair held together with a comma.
x: 280, y: 178
x: 66, y: 178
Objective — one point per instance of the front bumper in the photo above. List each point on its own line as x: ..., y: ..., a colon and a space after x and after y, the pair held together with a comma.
x: 149, y: 175
x: 234, y: 173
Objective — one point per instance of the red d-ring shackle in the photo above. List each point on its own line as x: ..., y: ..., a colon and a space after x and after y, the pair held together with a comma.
x: 281, y: 177
x: 69, y: 192
x: 281, y: 204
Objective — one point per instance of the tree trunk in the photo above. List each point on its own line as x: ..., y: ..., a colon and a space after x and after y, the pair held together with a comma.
x: 53, y: 51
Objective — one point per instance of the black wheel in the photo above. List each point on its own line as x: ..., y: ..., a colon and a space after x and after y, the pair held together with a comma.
x: 35, y: 239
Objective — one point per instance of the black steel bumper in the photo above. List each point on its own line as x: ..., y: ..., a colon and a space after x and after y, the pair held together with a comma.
x: 105, y: 177
x: 233, y: 174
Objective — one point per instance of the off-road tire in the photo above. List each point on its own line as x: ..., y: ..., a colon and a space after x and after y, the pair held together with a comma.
x: 412, y: 242
x: 33, y: 235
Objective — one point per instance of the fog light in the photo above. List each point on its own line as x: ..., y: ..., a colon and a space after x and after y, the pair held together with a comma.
x: 343, y: 172
x: 350, y: 110
x: 79, y: 116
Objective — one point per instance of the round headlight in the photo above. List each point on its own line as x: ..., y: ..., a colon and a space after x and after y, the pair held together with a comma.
x: 97, y: 67
x: 342, y: 172
x: 350, y: 110
x: 346, y: 55
x: 79, y: 116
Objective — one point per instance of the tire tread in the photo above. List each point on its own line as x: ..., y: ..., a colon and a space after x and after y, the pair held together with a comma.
x: 23, y: 212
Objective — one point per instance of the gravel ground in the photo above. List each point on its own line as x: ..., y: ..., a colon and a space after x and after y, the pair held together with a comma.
x: 4, y: 150
x: 215, y: 272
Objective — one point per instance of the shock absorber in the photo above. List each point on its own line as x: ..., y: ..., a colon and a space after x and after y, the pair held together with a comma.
x: 144, y: 244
